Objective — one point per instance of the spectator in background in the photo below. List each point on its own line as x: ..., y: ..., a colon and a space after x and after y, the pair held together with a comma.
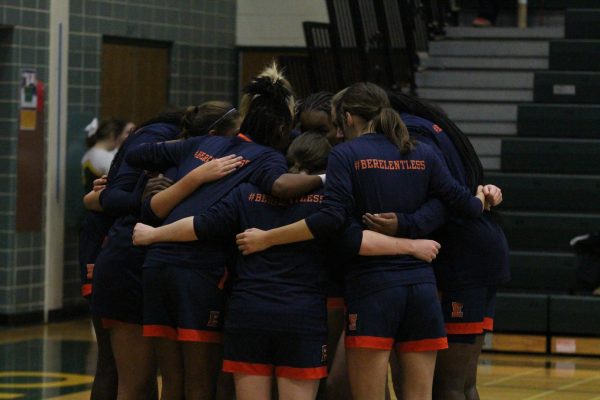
x: 487, y: 13
x: 103, y: 142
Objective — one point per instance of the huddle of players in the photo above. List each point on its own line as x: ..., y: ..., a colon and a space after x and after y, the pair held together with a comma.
x: 172, y: 290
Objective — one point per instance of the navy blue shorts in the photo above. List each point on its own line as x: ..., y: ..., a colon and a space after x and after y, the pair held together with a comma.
x: 183, y: 304
x: 117, y: 280
x: 468, y: 312
x: 408, y: 316
x: 287, y: 355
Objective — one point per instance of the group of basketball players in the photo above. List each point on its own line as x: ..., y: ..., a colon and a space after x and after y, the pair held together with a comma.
x: 239, y: 244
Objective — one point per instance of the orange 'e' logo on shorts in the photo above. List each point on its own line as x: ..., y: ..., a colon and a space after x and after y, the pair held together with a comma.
x: 213, y: 319
x: 352, y: 321
x: 457, y: 310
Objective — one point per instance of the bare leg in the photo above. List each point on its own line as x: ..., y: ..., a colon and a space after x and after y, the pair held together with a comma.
x: 471, y: 392
x: 201, y: 365
x: 297, y: 389
x: 136, y: 364
x: 170, y: 363
x: 225, y: 387
x: 106, y: 378
x: 453, y: 369
x: 338, y: 386
x: 417, y: 374
x: 367, y: 370
x: 252, y: 387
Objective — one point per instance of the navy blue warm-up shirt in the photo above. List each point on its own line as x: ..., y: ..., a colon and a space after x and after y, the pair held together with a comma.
x: 474, y: 251
x: 261, y: 166
x: 368, y: 174
x: 282, y: 288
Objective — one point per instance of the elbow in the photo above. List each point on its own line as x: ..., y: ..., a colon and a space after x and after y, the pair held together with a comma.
x: 281, y: 190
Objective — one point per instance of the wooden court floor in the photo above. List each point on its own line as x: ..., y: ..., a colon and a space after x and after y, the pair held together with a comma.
x: 56, y: 361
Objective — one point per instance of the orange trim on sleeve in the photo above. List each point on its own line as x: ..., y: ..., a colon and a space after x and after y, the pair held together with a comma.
x: 335, y: 302
x: 488, y: 324
x: 301, y: 373
x: 464, y: 328
x: 239, y: 367
x: 195, y: 335
x: 86, y: 289
x: 244, y: 137
x: 162, y: 331
x: 369, y: 342
x: 423, y: 345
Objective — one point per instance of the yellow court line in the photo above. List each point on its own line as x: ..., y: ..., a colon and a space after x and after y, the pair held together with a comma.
x: 74, y: 396
x: 508, y: 378
x: 391, y: 384
x: 563, y: 387
x: 10, y: 395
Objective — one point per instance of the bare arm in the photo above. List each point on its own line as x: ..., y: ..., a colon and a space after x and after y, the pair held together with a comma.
x: 91, y: 201
x: 289, y: 186
x: 178, y: 231
x: 163, y: 202
x: 254, y: 240
x: 376, y: 244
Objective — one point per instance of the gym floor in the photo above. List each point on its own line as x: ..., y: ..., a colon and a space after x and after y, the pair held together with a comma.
x: 56, y: 361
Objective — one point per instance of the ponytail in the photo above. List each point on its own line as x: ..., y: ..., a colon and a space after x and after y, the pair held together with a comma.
x: 267, y: 107
x: 389, y: 123
x: 371, y: 103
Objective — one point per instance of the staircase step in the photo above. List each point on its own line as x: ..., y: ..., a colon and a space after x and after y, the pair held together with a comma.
x: 490, y: 163
x: 480, y: 111
x: 524, y: 313
x: 566, y: 156
x: 575, y: 315
x: 582, y: 24
x: 485, y: 63
x: 548, y: 192
x: 533, y: 231
x: 487, y: 146
x: 567, y: 87
x: 489, y: 48
x: 464, y: 32
x: 532, y: 271
x: 536, y: 5
x: 475, y: 79
x: 575, y: 55
x: 488, y: 128
x: 559, y: 120
x: 476, y: 95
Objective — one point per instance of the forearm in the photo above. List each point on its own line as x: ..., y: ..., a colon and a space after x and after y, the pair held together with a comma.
x: 165, y: 201
x: 178, y: 231
x: 296, y: 232
x: 289, y: 186
x: 91, y: 201
x: 376, y: 244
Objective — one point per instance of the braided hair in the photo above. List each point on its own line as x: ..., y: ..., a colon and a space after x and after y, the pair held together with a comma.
x: 320, y: 101
x: 404, y: 103
x: 267, y: 108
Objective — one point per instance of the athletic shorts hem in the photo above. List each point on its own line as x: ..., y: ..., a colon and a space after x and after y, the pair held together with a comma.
x: 239, y: 367
x: 422, y: 345
x: 160, y: 331
x: 465, y: 328
x: 301, y: 373
x: 334, y: 303
x: 195, y: 335
x: 369, y: 342
x: 86, y: 289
